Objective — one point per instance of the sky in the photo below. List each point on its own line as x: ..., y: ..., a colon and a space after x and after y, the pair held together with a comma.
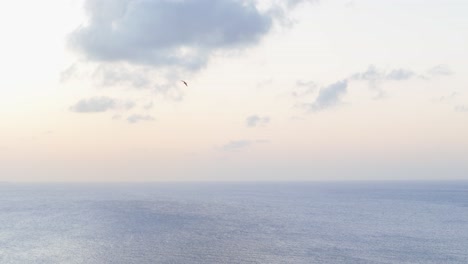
x: 278, y: 90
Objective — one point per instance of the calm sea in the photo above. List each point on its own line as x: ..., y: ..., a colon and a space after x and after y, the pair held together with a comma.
x: 340, y: 222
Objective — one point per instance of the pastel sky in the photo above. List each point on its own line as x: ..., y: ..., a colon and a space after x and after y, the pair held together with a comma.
x: 277, y: 90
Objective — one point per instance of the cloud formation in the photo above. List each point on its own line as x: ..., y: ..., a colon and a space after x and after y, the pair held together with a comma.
x: 94, y: 105
x: 374, y: 74
x: 167, y: 33
x: 304, y: 88
x: 100, y: 104
x: 440, y: 69
x: 447, y: 98
x: 293, y: 3
x: 399, y: 74
x: 241, y: 144
x: 148, y: 106
x: 236, y: 144
x: 149, y: 44
x: 255, y: 120
x: 138, y: 118
x: 329, y: 96
x: 461, y: 108
x: 112, y: 75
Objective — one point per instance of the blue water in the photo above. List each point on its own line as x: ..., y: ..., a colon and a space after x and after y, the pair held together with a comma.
x: 364, y: 222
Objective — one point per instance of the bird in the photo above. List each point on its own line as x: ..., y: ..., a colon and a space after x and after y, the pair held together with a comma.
x: 184, y: 82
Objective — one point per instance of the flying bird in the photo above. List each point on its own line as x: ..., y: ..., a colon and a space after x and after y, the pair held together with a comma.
x: 184, y: 82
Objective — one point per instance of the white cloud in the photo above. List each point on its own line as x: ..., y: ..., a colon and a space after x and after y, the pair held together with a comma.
x: 148, y: 106
x: 461, y: 108
x: 399, y: 74
x: 255, y: 120
x: 94, y: 105
x: 440, y: 69
x: 167, y: 33
x: 304, y: 88
x: 374, y: 74
x: 100, y: 104
x: 236, y: 144
x: 241, y: 144
x: 329, y: 96
x: 112, y: 75
x: 138, y: 118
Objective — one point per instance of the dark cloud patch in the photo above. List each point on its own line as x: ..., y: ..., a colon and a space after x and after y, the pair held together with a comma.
x: 138, y: 118
x: 167, y: 33
x: 255, y: 120
x: 329, y: 96
x: 151, y: 44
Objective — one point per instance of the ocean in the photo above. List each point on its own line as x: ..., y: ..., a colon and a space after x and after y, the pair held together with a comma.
x: 303, y: 222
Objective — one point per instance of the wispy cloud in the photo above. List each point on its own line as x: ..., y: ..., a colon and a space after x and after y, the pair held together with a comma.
x: 399, y: 74
x: 265, y: 83
x: 255, y: 120
x: 94, y: 105
x: 133, y: 119
x: 236, y: 145
x: 329, y: 96
x: 461, y: 108
x: 116, y: 117
x: 304, y: 88
x: 100, y: 104
x: 350, y: 4
x: 440, y: 70
x: 293, y: 3
x: 148, y: 106
x: 118, y: 75
x: 447, y: 98
x: 374, y: 74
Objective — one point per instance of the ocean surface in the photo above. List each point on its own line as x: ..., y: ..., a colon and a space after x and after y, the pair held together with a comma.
x: 339, y: 222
